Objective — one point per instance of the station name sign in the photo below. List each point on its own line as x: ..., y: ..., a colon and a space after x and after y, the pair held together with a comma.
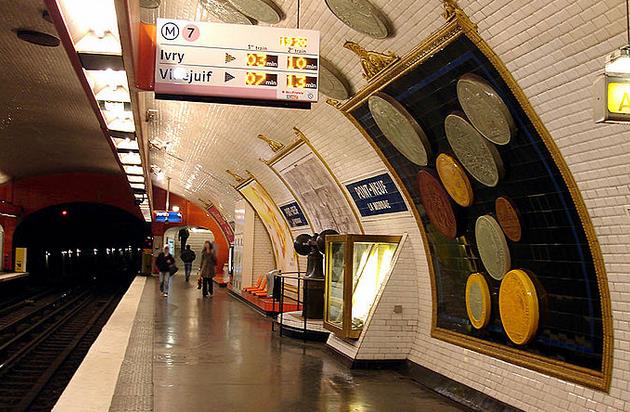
x: 233, y: 63
x: 294, y: 215
x: 376, y: 195
x: 612, y: 99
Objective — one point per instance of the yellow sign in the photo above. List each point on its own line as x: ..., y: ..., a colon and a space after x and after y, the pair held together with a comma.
x: 619, y: 97
x: 20, y: 259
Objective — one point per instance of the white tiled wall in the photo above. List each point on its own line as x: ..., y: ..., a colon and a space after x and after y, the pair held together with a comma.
x: 554, y: 48
x: 264, y: 260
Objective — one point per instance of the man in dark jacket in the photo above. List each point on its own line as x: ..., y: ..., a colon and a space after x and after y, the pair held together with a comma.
x: 165, y: 262
x: 188, y: 256
x: 183, y: 236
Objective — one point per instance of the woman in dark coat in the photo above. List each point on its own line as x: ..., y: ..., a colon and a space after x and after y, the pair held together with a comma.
x: 207, y: 268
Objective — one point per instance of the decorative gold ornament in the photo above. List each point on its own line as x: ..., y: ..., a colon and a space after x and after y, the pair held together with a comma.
x: 372, y: 62
x: 299, y: 134
x: 275, y: 146
x: 478, y: 304
x: 451, y: 9
x: 518, y: 306
x: 334, y: 103
x: 236, y: 176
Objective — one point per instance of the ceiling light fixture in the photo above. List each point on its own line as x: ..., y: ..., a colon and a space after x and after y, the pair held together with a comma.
x: 37, y: 37
x: 618, y: 63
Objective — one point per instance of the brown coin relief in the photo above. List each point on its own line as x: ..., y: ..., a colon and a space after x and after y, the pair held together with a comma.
x: 509, y: 218
x: 437, y: 204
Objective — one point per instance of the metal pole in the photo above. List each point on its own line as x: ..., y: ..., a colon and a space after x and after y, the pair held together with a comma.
x: 281, y: 305
x: 168, y: 194
x: 305, y: 304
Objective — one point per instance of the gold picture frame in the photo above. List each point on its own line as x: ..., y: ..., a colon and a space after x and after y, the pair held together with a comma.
x: 458, y: 24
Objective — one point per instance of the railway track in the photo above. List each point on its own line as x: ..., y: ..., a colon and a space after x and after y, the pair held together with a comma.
x: 43, y: 345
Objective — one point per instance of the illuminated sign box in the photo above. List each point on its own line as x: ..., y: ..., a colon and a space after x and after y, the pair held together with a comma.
x: 612, y: 99
x: 233, y: 63
x: 165, y: 216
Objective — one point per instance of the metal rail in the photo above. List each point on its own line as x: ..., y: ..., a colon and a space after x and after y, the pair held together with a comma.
x: 37, y: 326
x: 19, y: 302
x: 39, y: 385
x: 27, y: 311
x: 38, y: 362
x: 300, y: 280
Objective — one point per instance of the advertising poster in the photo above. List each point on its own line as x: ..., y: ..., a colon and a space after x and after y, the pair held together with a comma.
x: 270, y: 215
x: 324, y: 202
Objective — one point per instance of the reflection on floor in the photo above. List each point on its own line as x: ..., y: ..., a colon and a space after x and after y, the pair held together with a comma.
x: 216, y: 354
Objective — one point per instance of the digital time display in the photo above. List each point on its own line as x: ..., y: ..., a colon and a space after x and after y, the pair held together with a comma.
x: 233, y: 64
x: 293, y: 41
x: 261, y: 79
x: 301, y: 63
x: 301, y: 82
x: 262, y: 60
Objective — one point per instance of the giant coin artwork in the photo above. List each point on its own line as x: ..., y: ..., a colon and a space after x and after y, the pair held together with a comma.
x: 492, y: 246
x: 478, y: 303
x: 508, y: 218
x: 454, y: 179
x: 360, y: 15
x: 225, y: 11
x: 400, y: 128
x: 518, y: 306
x: 261, y: 10
x: 478, y: 156
x: 485, y: 109
x: 331, y: 83
x: 437, y: 204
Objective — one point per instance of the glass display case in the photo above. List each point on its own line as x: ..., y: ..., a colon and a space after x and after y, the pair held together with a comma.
x: 356, y: 266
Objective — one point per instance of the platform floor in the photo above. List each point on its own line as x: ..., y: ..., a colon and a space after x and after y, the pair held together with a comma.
x: 217, y: 354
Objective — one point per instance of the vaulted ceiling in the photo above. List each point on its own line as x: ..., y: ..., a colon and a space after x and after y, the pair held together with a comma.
x: 46, y: 122
x: 203, y: 140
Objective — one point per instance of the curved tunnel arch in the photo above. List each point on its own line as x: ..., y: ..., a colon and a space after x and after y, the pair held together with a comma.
x: 79, y: 225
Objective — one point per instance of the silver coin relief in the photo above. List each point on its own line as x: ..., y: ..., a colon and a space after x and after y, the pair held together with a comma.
x: 261, y: 10
x: 400, y: 128
x: 478, y: 156
x: 475, y: 301
x: 492, y: 246
x: 487, y: 112
x: 224, y: 11
x: 360, y: 15
x: 330, y: 83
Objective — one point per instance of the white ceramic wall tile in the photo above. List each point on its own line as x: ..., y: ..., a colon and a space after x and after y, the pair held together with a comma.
x: 554, y: 49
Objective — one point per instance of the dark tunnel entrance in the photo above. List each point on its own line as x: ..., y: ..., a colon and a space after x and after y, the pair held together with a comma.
x: 82, y: 241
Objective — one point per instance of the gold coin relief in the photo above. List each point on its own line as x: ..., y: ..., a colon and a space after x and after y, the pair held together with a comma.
x: 518, y: 306
x: 454, y: 179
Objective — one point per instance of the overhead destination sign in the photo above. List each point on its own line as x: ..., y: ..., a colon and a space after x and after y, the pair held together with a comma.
x: 233, y: 63
x: 167, y: 216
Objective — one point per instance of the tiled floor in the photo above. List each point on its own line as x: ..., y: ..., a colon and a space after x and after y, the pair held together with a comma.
x: 216, y: 354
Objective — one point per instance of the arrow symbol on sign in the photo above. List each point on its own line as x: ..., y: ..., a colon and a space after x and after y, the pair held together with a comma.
x: 228, y: 77
x: 229, y: 58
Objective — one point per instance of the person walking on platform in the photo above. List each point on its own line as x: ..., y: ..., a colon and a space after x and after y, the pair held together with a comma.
x: 183, y: 235
x: 207, y: 267
x: 188, y: 256
x: 165, y: 263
